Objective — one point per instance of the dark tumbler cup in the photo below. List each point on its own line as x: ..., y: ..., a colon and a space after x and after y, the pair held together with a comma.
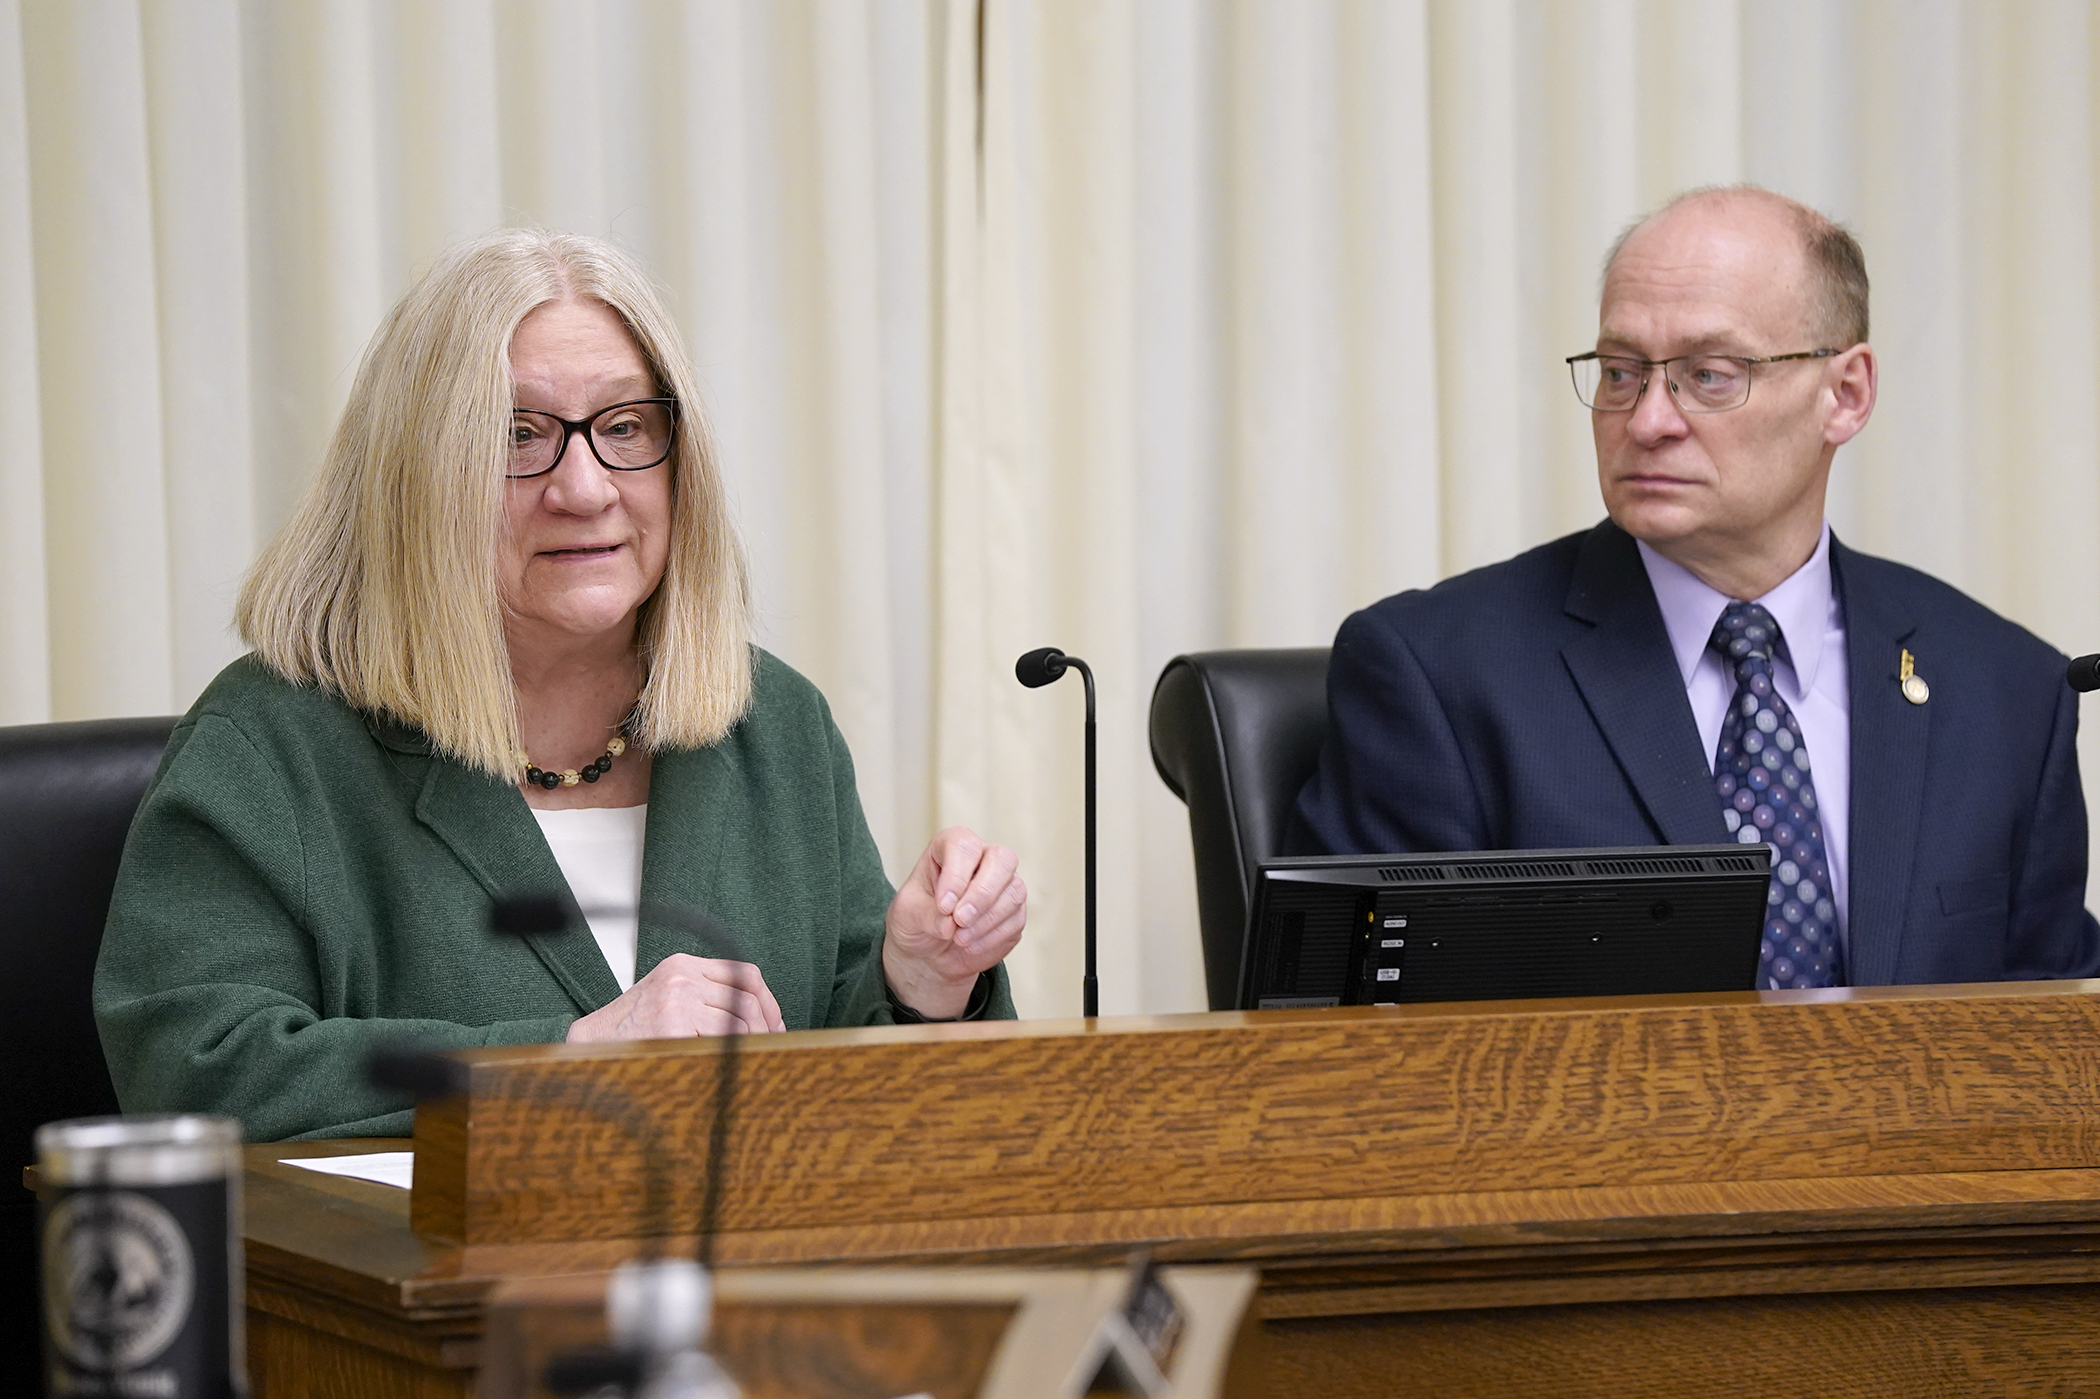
x: 139, y: 1224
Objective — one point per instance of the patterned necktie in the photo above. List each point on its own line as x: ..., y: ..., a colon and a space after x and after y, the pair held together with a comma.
x: 1767, y: 797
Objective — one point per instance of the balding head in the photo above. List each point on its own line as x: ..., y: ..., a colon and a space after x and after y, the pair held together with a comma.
x: 1833, y: 266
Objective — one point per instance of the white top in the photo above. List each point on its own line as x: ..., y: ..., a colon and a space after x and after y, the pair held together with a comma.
x: 1809, y: 671
x: 599, y: 849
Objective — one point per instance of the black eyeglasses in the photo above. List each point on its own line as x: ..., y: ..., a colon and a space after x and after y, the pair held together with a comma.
x: 631, y: 436
x: 1699, y: 383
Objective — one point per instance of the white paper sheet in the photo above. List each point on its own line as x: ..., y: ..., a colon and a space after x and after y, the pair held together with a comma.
x: 395, y: 1168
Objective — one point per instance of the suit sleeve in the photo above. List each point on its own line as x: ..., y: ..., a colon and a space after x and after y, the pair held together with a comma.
x: 210, y: 974
x: 1392, y: 776
x: 2050, y: 933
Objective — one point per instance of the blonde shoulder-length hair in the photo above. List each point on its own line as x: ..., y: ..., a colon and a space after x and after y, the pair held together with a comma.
x: 382, y: 588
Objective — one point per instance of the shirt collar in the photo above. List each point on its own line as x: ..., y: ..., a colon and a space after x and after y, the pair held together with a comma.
x: 1801, y: 606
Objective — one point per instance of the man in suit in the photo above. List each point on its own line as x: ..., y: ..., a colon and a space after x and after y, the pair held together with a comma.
x: 1667, y: 676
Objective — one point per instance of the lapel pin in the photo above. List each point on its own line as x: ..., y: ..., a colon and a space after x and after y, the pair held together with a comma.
x: 1914, y: 687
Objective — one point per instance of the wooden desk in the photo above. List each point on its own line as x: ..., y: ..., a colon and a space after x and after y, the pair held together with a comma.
x: 1863, y: 1192
x: 344, y: 1300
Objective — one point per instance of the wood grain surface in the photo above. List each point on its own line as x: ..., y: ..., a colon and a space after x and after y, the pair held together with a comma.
x: 345, y: 1301
x: 924, y: 1125
x: 289, y: 1361
x: 860, y: 1351
x: 315, y: 1235
x: 978, y: 1333
x: 1851, y: 1193
x: 815, y: 1348
x: 1901, y: 1345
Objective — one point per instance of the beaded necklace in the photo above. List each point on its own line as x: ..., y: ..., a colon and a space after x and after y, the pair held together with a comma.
x: 589, y: 772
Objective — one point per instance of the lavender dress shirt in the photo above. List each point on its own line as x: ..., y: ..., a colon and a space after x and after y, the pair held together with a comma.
x: 1810, y: 673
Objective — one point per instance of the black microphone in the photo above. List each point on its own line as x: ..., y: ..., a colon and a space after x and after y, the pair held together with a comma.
x: 527, y: 915
x: 2084, y: 674
x: 1036, y: 669
x: 521, y: 915
x: 423, y: 1076
x: 427, y: 1077
x: 1039, y: 668
x: 578, y: 1372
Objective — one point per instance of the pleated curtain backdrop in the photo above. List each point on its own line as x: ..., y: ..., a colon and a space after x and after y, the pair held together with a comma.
x: 1129, y: 326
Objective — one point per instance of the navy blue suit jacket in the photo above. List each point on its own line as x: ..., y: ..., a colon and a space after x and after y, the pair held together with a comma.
x: 1536, y: 704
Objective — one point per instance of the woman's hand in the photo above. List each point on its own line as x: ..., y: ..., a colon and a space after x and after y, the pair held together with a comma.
x: 958, y: 914
x: 683, y: 996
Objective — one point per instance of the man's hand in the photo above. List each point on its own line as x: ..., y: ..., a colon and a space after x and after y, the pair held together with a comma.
x: 958, y: 914
x: 683, y: 996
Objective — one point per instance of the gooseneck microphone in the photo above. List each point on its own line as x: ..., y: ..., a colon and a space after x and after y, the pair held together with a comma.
x: 1036, y: 669
x: 523, y: 914
x: 657, y: 1310
x: 2084, y: 674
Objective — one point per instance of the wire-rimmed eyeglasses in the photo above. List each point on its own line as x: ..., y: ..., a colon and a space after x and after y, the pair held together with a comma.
x: 631, y: 436
x: 1703, y: 383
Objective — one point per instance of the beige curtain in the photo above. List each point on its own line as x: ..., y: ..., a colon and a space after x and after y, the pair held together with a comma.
x: 207, y: 206
x: 1129, y: 326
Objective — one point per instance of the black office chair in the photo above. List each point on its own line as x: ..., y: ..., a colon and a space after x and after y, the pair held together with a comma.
x: 1235, y: 734
x: 67, y: 795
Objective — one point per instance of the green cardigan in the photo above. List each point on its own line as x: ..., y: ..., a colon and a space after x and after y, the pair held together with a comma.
x: 304, y: 884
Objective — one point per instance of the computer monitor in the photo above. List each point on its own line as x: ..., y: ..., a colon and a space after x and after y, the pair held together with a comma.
x: 1504, y: 925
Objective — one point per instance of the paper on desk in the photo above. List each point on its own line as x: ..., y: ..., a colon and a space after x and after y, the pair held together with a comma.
x: 386, y: 1167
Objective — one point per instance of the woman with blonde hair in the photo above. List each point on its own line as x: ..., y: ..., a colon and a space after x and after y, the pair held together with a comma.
x: 502, y: 647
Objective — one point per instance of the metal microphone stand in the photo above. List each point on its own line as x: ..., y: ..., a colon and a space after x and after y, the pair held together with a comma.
x: 1036, y: 669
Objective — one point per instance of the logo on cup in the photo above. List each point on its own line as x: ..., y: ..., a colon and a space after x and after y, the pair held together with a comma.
x: 118, y: 1279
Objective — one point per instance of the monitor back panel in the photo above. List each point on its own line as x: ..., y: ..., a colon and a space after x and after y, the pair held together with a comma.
x: 1388, y: 930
